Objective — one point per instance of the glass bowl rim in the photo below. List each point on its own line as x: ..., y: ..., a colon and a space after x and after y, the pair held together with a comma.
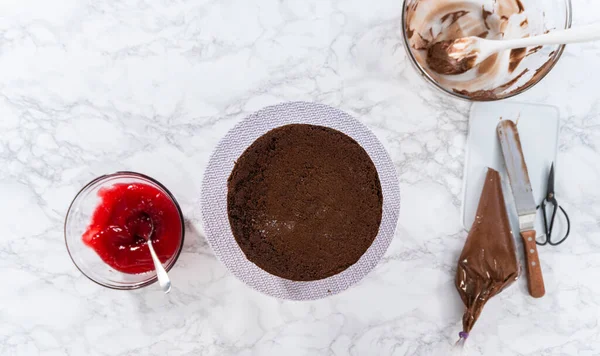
x: 153, y: 181
x: 555, y: 58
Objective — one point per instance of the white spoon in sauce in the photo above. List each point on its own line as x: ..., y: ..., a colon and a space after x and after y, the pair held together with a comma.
x: 161, y: 273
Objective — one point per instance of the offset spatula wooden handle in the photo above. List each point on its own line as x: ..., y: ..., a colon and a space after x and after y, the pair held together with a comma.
x: 535, y: 279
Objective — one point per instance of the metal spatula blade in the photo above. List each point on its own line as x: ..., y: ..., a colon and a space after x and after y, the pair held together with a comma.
x: 523, y: 194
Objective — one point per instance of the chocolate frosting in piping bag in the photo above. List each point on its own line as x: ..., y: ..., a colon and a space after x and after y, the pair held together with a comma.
x: 488, y: 262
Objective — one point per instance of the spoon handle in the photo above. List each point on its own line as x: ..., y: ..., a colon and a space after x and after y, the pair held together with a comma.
x: 161, y: 274
x: 571, y: 35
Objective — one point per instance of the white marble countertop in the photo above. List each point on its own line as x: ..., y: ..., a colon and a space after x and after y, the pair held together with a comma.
x: 88, y: 88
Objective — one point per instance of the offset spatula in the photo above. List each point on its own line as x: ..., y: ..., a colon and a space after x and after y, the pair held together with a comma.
x: 526, y: 208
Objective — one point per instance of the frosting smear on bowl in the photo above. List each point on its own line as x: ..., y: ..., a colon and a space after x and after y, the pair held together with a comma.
x: 431, y: 21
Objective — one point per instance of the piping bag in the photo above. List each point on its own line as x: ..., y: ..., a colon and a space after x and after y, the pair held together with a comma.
x: 488, y: 262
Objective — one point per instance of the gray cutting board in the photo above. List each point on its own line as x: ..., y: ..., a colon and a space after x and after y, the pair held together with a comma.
x: 538, y: 129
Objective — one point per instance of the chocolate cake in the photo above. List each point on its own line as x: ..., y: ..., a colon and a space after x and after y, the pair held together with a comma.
x: 304, y: 202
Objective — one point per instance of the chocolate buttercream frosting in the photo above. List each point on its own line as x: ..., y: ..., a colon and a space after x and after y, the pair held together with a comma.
x: 429, y: 23
x: 440, y: 58
x: 488, y: 262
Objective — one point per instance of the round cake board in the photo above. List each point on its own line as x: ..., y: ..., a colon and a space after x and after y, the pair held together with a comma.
x: 214, y: 198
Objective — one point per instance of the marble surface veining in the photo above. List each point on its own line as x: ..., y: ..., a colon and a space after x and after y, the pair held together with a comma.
x: 90, y: 87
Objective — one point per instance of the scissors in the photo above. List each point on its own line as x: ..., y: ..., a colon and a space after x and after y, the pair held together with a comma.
x: 549, y: 223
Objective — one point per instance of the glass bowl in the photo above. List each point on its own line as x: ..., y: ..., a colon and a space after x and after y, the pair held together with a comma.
x: 503, y: 77
x: 85, y: 258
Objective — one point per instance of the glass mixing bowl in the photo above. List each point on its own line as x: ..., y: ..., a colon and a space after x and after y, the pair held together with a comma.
x: 85, y: 258
x: 429, y: 21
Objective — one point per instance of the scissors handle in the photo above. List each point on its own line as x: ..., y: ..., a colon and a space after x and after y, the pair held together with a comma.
x: 568, y: 229
x: 535, y: 279
x: 549, y: 225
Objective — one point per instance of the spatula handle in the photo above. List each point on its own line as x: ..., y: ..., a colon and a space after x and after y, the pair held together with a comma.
x: 535, y: 279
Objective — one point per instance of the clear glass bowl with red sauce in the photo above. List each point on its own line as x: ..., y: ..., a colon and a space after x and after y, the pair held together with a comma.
x: 105, y: 230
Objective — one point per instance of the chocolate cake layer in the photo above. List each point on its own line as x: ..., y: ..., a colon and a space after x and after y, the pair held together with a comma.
x: 304, y: 202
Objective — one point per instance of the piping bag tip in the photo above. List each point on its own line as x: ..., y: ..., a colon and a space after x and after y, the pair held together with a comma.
x: 462, y: 339
x: 459, y: 347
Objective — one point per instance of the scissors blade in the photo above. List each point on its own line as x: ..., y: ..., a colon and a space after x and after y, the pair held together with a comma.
x: 550, y: 187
